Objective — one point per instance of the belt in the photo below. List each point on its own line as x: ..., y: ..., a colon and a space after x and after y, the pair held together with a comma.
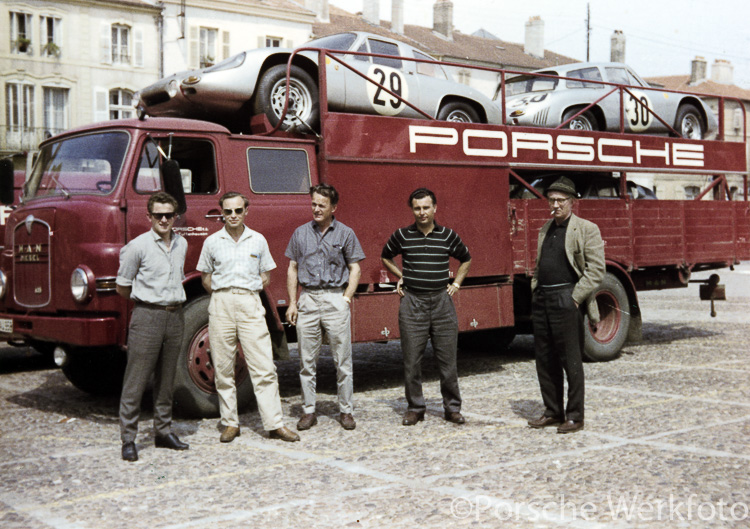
x: 559, y: 286
x: 321, y: 289
x: 237, y: 290
x: 168, y: 308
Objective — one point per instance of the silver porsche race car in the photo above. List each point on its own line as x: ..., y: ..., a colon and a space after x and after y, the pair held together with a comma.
x: 536, y: 101
x: 254, y: 82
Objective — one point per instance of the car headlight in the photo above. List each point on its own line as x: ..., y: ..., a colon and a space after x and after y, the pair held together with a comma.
x: 517, y: 113
x: 228, y: 64
x: 81, y: 281
x: 3, y: 284
x: 136, y: 99
x: 172, y: 88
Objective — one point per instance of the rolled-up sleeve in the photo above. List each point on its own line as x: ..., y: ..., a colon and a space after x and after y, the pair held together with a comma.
x: 129, y: 263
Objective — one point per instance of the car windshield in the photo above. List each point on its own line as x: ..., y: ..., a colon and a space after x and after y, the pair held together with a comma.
x: 340, y: 42
x: 524, y: 84
x: 88, y: 164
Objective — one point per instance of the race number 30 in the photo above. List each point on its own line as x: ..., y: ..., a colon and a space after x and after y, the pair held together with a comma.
x: 395, y: 81
x: 637, y: 116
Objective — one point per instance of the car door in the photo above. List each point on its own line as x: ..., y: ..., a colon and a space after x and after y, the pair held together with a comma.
x: 637, y: 102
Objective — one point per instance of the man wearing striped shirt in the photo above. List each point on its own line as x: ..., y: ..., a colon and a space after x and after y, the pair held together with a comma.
x: 427, y: 309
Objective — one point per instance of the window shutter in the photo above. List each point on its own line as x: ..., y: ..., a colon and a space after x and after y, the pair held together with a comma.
x: 106, y: 44
x: 138, y: 46
x: 194, y: 51
x: 101, y: 104
x: 289, y: 43
x: 224, y: 44
x: 261, y: 42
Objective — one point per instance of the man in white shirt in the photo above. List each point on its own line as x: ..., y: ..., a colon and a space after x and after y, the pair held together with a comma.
x: 235, y: 265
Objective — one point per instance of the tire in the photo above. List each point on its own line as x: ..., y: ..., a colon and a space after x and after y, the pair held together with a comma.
x: 489, y: 339
x: 689, y: 123
x: 604, y: 341
x: 303, y: 98
x: 458, y: 112
x: 97, y: 371
x: 194, y: 390
x: 586, y: 121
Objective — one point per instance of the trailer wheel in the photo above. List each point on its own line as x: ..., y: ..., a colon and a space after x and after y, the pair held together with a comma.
x: 586, y: 121
x: 98, y: 371
x: 303, y: 98
x: 488, y: 339
x: 604, y: 341
x: 458, y: 112
x: 689, y: 123
x: 194, y: 389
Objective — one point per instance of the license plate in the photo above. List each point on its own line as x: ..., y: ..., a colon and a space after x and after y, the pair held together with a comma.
x: 6, y: 325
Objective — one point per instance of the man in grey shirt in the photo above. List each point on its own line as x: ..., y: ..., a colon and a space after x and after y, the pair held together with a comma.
x: 324, y: 259
x: 151, y: 273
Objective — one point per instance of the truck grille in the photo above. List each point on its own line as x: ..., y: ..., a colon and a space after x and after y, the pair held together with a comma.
x: 31, y: 263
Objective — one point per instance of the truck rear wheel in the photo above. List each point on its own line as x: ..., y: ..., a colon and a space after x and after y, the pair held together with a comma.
x: 194, y: 389
x: 604, y: 340
x: 98, y: 371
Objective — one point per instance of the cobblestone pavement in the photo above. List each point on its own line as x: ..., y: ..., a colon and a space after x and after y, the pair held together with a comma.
x: 665, y: 444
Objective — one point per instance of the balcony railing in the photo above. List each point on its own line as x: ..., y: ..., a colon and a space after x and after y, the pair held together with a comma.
x: 24, y: 138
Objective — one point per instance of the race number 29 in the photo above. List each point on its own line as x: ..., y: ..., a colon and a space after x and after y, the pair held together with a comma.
x: 380, y: 100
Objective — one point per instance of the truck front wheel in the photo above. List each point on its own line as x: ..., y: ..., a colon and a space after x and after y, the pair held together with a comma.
x: 194, y: 389
x: 98, y: 371
x: 604, y: 340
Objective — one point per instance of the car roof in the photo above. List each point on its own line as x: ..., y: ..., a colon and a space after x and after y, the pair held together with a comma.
x: 579, y: 65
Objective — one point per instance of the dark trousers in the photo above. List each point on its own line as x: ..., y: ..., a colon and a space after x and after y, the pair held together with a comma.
x: 423, y: 316
x: 558, y: 345
x: 154, y: 340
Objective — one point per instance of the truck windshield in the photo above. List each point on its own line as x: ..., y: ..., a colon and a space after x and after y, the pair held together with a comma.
x: 87, y: 164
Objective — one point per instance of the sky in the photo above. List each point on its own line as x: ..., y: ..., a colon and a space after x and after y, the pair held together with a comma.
x: 662, y: 36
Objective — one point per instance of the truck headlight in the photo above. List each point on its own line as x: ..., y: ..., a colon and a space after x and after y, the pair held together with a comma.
x: 3, y: 284
x: 81, y: 282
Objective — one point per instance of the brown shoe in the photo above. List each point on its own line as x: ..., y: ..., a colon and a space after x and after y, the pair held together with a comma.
x: 454, y: 416
x: 229, y: 433
x: 544, y: 422
x: 347, y: 421
x: 307, y: 421
x: 570, y: 426
x: 412, y: 417
x: 285, y: 434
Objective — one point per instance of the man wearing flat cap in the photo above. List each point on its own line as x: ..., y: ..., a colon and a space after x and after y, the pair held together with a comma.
x: 569, y: 267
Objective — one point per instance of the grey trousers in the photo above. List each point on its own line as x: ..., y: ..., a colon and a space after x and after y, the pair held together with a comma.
x: 423, y: 316
x: 318, y: 310
x: 154, y: 340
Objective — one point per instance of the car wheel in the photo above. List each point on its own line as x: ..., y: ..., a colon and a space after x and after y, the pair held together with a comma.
x: 689, y: 123
x: 586, y: 121
x: 603, y: 341
x: 457, y: 111
x: 303, y: 98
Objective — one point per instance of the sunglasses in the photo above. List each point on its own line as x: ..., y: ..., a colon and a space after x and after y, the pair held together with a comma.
x: 236, y: 211
x: 160, y: 216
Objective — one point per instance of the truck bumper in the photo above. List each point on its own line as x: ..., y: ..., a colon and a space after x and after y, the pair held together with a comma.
x: 93, y: 331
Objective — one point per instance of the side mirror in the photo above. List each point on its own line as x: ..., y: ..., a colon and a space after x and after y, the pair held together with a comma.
x: 170, y: 171
x: 6, y: 181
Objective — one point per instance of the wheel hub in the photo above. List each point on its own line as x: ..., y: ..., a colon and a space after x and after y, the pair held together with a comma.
x: 200, y: 364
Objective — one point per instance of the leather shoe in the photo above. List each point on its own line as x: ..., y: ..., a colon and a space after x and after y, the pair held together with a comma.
x: 307, y: 421
x: 285, y: 434
x: 455, y: 417
x: 129, y: 452
x: 412, y: 417
x: 570, y: 426
x: 347, y: 421
x: 544, y: 422
x: 229, y: 433
x: 170, y: 441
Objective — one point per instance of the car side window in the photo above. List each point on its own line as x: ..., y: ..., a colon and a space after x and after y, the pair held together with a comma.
x: 617, y: 76
x: 423, y: 68
x: 278, y: 170
x: 196, y: 160
x: 591, y: 74
x: 362, y: 49
x: 633, y: 80
x: 385, y: 48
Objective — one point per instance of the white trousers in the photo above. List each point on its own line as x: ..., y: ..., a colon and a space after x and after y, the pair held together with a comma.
x: 236, y: 314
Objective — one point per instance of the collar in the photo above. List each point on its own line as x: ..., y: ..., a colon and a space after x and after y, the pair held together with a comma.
x: 316, y: 229
x: 246, y: 233
x: 436, y: 229
x: 158, y: 238
x: 564, y: 223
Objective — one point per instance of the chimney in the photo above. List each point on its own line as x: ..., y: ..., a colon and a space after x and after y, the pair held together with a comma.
x: 617, y: 47
x: 722, y: 71
x: 534, y: 43
x: 698, y: 70
x: 320, y: 8
x: 442, y: 21
x: 397, y: 16
x: 371, y: 11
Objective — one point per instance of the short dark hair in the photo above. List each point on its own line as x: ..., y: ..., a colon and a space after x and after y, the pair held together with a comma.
x: 421, y: 193
x: 161, y: 198
x: 233, y: 194
x: 326, y: 190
